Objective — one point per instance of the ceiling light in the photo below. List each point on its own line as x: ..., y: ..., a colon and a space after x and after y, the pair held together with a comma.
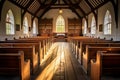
x: 60, y: 11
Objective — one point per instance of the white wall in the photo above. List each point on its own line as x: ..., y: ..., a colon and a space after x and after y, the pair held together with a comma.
x: 118, y: 30
x: 101, y: 13
x: 16, y: 12
x: 17, y: 18
x: 54, y: 13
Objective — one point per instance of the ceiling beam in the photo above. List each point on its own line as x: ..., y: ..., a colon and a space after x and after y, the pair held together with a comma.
x: 27, y: 6
x: 15, y: 3
x: 78, y: 7
x: 21, y: 7
x: 73, y: 9
x: 45, y: 7
x: 91, y: 7
x: 42, y: 3
x: 105, y: 1
x: 78, y: 2
x: 39, y: 2
x: 48, y: 8
x: 41, y: 6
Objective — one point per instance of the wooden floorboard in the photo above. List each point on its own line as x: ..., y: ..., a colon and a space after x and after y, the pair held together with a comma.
x: 64, y: 66
x: 59, y: 64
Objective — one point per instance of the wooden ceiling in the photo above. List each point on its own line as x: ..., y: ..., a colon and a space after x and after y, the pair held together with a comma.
x: 39, y: 7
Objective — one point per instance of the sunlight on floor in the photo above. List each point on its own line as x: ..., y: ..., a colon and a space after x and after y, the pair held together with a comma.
x: 50, y: 70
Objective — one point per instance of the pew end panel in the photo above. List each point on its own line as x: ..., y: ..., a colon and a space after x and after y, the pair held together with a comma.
x: 14, y: 64
x: 107, y: 65
x: 91, y: 53
x: 95, y: 67
x: 26, y: 70
x: 29, y: 53
x: 85, y: 60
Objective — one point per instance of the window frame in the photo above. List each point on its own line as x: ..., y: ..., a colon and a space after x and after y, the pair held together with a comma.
x: 107, y: 23
x: 60, y: 23
x: 34, y: 27
x: 93, y: 25
x: 25, y: 26
x: 85, y: 27
x: 10, y: 23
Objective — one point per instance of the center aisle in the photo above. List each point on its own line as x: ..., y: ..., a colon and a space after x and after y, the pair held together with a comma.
x: 60, y: 64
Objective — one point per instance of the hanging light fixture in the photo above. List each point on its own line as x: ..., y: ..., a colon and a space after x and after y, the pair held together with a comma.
x: 60, y: 10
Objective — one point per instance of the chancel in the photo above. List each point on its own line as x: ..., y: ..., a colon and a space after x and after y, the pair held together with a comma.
x: 59, y: 40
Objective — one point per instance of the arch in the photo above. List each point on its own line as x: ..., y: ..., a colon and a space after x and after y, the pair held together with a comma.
x: 107, y: 23
x: 93, y: 26
x: 25, y: 25
x: 60, y: 24
x: 10, y: 28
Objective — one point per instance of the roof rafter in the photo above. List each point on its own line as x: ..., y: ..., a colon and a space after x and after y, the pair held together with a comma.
x: 89, y: 4
x: 21, y: 7
x: 42, y: 6
x: 77, y: 6
x: 73, y: 9
x: 27, y: 6
x: 46, y: 8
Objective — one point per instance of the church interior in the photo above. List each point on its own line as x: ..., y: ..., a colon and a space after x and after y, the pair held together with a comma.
x: 59, y: 39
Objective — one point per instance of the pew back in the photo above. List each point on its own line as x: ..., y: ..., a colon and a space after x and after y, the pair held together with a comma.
x: 90, y: 53
x: 29, y: 53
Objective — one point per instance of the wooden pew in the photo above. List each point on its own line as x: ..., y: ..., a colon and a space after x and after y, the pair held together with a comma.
x: 74, y: 40
x: 77, y: 45
x: 90, y: 53
x: 43, y: 42
x: 17, y: 44
x: 14, y: 64
x: 82, y: 47
x: 29, y: 53
x: 106, y: 66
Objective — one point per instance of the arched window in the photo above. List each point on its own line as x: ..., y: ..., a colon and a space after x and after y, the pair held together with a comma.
x: 60, y: 24
x: 107, y: 23
x: 93, y: 26
x: 10, y: 29
x: 85, y: 27
x: 25, y: 26
x: 34, y: 27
